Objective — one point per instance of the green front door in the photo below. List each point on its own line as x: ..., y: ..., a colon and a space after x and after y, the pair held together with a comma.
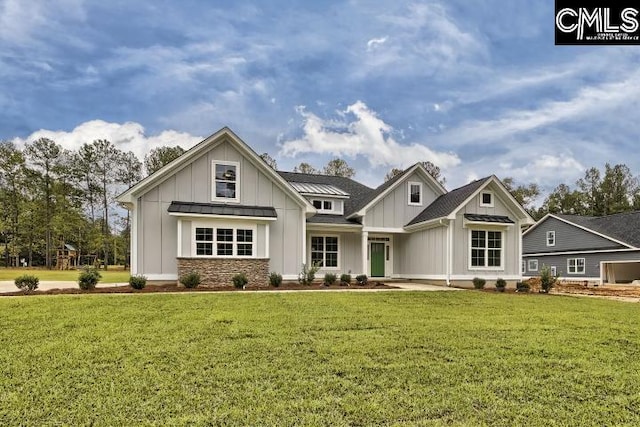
x: 377, y: 259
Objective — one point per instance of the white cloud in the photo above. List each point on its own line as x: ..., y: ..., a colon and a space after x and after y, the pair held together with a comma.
x: 129, y: 136
x: 359, y: 132
x: 375, y: 43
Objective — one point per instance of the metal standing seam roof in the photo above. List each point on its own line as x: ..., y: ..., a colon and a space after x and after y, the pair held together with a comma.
x: 489, y: 218
x: 222, y: 209
x: 319, y: 189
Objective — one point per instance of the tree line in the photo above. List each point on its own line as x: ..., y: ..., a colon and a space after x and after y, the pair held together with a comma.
x: 50, y: 196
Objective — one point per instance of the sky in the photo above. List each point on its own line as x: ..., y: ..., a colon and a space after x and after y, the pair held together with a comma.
x: 475, y: 86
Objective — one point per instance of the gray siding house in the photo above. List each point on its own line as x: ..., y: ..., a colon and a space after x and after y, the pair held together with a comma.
x: 581, y: 248
x: 220, y: 209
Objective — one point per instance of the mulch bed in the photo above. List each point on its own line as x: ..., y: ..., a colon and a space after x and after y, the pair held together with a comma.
x: 172, y: 287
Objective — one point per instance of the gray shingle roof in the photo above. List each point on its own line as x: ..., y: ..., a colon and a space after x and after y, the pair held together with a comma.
x: 449, y: 202
x: 222, y: 209
x: 357, y: 191
x: 624, y: 227
x: 489, y: 218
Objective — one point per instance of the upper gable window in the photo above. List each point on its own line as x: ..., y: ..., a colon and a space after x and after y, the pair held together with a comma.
x: 551, y: 238
x: 486, y: 199
x: 415, y: 193
x: 226, y: 177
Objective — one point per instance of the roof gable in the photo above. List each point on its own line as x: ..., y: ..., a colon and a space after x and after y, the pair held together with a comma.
x: 224, y: 134
x: 381, y: 191
x: 448, y: 205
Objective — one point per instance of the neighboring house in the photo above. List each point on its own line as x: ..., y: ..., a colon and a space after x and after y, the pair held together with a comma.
x: 604, y: 249
x: 220, y: 209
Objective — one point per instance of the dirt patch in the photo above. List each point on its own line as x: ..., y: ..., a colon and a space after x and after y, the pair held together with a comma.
x: 172, y: 287
x: 612, y: 291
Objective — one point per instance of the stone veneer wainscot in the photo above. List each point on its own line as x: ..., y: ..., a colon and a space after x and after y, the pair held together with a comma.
x: 218, y: 272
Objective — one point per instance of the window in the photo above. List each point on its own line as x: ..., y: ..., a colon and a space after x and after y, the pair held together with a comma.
x: 486, y: 249
x: 225, y: 181
x: 415, y: 193
x: 204, y: 241
x: 523, y: 267
x: 327, y: 206
x: 554, y: 271
x: 227, y: 242
x: 324, y: 251
x: 486, y: 199
x: 551, y: 238
x: 575, y: 265
x: 533, y: 265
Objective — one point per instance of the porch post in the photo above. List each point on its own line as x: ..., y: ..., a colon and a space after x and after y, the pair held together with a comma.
x: 365, y: 244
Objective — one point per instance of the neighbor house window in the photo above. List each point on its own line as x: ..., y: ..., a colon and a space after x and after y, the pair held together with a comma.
x: 575, y: 265
x: 224, y: 242
x: 486, y: 199
x: 225, y: 181
x: 415, y: 193
x: 551, y: 238
x: 523, y: 267
x: 533, y: 265
x: 486, y: 249
x: 554, y: 271
x: 324, y: 251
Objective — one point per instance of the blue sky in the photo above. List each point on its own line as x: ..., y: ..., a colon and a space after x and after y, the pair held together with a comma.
x: 477, y: 87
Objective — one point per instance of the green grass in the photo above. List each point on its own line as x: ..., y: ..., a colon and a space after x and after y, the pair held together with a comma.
x: 402, y: 358
x: 109, y: 276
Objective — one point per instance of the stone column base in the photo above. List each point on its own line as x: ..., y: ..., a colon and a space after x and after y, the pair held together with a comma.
x: 218, y: 272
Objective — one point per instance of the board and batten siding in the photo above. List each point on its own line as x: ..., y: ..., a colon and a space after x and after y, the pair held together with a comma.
x: 421, y: 253
x: 393, y: 210
x: 510, y: 236
x: 592, y: 263
x: 349, y: 253
x: 157, y: 239
x: 568, y: 238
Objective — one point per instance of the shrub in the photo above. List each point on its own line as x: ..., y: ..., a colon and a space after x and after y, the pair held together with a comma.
x: 89, y: 278
x: 190, y: 280
x: 138, y: 282
x: 345, y: 279
x: 308, y: 274
x: 522, y: 287
x: 275, y: 279
x: 547, y: 281
x: 479, y: 283
x: 240, y: 280
x: 27, y: 283
x: 501, y: 284
x: 330, y: 279
x: 362, y: 279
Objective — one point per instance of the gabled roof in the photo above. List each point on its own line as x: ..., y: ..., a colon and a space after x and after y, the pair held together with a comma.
x: 381, y: 191
x: 224, y: 134
x: 357, y: 192
x: 621, y: 228
x: 447, y: 203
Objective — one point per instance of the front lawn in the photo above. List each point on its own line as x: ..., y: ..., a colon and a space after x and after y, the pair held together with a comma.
x: 390, y: 358
x: 109, y: 276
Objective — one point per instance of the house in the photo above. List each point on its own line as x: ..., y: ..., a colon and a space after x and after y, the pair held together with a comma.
x: 603, y: 249
x: 220, y: 209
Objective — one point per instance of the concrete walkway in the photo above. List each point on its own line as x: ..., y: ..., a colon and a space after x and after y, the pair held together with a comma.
x: 9, y: 286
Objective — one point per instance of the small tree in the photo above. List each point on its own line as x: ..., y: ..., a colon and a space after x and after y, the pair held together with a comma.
x: 547, y: 280
x: 308, y: 274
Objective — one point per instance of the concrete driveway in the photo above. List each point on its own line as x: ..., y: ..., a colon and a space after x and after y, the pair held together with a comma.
x: 8, y: 285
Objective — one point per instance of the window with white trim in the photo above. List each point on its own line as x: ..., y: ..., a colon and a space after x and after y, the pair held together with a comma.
x: 415, y: 193
x: 554, y: 271
x: 486, y: 249
x: 224, y: 242
x: 327, y: 206
x: 324, y: 251
x: 575, y: 265
x: 523, y: 267
x: 551, y: 238
x: 225, y: 181
x: 533, y: 265
x: 486, y: 199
